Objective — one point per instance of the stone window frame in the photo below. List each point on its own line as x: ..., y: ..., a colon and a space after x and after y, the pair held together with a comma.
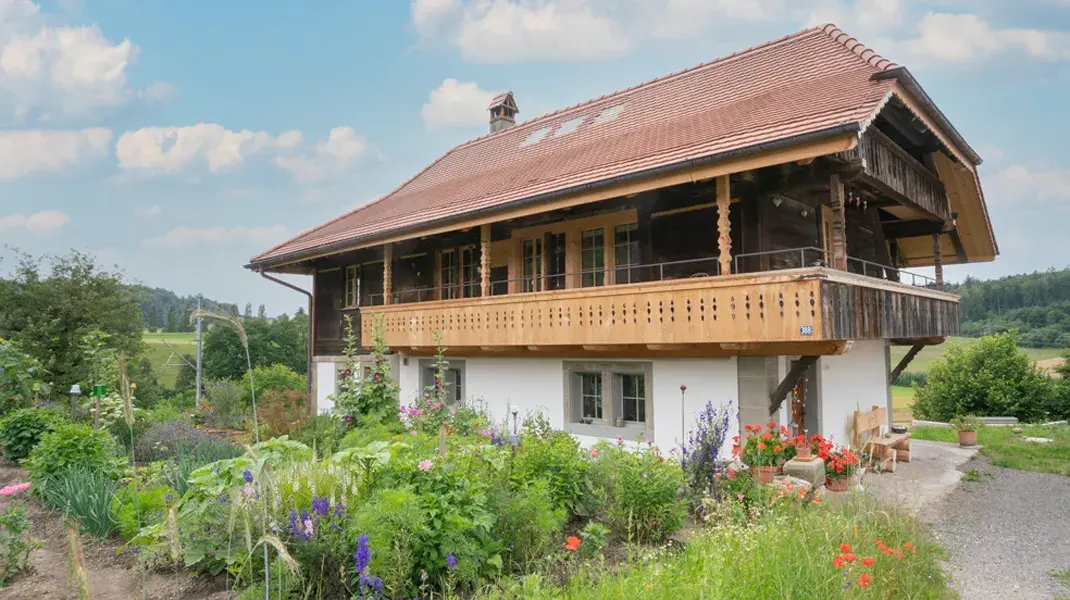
x: 611, y: 391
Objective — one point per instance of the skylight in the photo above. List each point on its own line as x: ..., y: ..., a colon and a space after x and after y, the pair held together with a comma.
x: 535, y: 137
x: 569, y: 126
x: 609, y: 115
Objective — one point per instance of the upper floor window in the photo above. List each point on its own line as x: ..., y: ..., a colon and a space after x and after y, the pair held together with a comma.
x: 593, y: 257
x: 449, y: 275
x: 532, y: 258
x: 352, y: 285
x: 626, y: 252
x: 459, y: 273
x: 470, y: 271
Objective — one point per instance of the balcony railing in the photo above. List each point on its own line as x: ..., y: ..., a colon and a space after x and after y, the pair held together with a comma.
x: 798, y: 258
x: 896, y: 171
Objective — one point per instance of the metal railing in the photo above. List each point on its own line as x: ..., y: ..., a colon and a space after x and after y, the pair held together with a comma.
x: 797, y: 258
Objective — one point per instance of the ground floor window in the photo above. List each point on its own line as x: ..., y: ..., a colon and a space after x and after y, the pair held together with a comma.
x: 609, y: 399
x: 454, y: 382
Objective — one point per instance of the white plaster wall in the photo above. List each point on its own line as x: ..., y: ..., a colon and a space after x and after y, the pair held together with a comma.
x: 707, y: 380
x: 854, y: 380
x: 408, y: 378
x: 325, y: 383
x: 521, y: 384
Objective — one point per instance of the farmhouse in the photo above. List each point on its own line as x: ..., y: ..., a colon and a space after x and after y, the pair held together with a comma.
x: 734, y: 232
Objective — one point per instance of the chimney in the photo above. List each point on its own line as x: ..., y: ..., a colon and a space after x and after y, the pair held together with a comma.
x: 503, y: 112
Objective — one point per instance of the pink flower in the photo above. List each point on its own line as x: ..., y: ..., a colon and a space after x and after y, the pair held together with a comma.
x: 649, y: 443
x: 620, y: 441
x: 11, y: 490
x: 425, y: 465
x: 739, y: 497
x: 594, y: 452
x: 484, y: 433
x: 644, y: 475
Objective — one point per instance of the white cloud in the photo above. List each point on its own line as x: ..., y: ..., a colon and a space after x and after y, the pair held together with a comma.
x: 192, y: 236
x: 145, y: 212
x: 330, y: 157
x: 456, y: 104
x: 26, y: 152
x: 50, y: 72
x: 158, y: 150
x: 1019, y: 183
x: 961, y: 38
x: 45, y: 221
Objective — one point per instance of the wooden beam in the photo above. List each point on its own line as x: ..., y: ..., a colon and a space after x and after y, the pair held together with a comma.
x: 484, y: 260
x: 956, y: 241
x: 724, y: 226
x: 894, y: 230
x: 388, y: 272
x: 781, y: 392
x: 839, y: 227
x: 898, y: 370
x: 938, y: 262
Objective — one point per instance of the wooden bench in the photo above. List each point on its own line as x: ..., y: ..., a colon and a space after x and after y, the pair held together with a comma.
x: 886, y: 448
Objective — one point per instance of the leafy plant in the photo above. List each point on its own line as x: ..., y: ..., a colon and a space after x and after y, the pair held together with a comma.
x: 643, y: 491
x: 21, y: 377
x: 15, y: 543
x: 82, y: 493
x: 841, y: 463
x: 21, y: 431
x: 528, y: 521
x: 227, y: 403
x: 274, y: 377
x: 966, y: 423
x: 373, y: 397
x: 70, y: 446
x: 594, y: 536
x: 321, y: 432
x: 150, y: 505
x: 701, y: 458
x: 395, y: 523
x: 766, y: 447
x: 558, y: 459
x: 282, y: 411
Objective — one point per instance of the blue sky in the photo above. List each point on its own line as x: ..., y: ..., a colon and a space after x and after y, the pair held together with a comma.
x: 177, y: 139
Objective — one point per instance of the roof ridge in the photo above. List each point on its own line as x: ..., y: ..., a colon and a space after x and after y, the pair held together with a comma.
x: 644, y: 84
x: 874, y: 59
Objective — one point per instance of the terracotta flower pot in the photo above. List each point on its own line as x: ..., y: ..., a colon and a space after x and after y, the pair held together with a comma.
x: 803, y: 452
x: 837, y: 485
x: 763, y: 475
x: 967, y: 438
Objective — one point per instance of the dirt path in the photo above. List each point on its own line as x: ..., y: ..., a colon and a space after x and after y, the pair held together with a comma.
x: 1007, y: 533
x: 112, y: 575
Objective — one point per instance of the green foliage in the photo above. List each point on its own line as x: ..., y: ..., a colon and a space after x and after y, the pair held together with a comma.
x: 395, y: 524
x: 273, y: 377
x: 529, y: 521
x: 1034, y: 304
x: 373, y: 397
x: 910, y: 379
x: 21, y: 376
x: 558, y: 459
x: 965, y: 423
x: 643, y: 491
x: 1009, y: 450
x: 50, y: 309
x: 321, y: 432
x: 15, y: 542
x: 594, y: 539
x: 990, y: 378
x: 131, y: 513
x: 69, y: 446
x: 82, y: 493
x: 283, y: 341
x: 227, y: 402
x: 21, y: 431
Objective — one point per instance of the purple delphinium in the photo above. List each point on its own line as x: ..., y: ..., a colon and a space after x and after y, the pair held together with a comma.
x: 451, y: 562
x: 248, y: 475
x: 321, y: 506
x: 700, y: 455
x: 362, y: 556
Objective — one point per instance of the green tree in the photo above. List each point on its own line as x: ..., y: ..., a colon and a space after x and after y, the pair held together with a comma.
x: 261, y: 313
x: 283, y: 341
x: 50, y: 304
x: 154, y: 319
x: 990, y: 378
x: 187, y: 374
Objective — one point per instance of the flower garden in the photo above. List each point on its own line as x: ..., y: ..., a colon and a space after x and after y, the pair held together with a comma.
x: 427, y: 500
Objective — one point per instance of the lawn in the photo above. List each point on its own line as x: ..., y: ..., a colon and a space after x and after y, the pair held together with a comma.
x: 1006, y: 448
x: 920, y: 364
x: 902, y: 399
x: 159, y: 354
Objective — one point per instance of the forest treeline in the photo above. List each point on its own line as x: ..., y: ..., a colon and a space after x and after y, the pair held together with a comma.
x: 1036, y: 304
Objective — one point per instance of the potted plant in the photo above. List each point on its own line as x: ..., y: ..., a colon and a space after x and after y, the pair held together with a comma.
x: 763, y: 452
x: 840, y: 466
x: 967, y: 426
x: 803, y: 449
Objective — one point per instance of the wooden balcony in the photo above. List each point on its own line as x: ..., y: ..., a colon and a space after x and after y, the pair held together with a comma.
x: 896, y: 173
x: 813, y: 310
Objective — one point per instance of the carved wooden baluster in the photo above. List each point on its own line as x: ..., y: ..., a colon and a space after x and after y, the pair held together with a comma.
x: 724, y: 226
x: 938, y: 262
x: 484, y: 260
x: 388, y: 272
x: 839, y: 233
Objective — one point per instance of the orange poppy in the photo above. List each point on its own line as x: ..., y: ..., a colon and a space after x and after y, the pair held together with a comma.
x: 864, y: 580
x: 572, y: 543
x: 845, y: 548
x: 868, y: 561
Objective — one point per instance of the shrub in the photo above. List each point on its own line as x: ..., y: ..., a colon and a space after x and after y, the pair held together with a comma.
x: 150, y: 504
x: 83, y: 493
x: 21, y: 377
x: 162, y: 441
x: 15, y: 543
x: 643, y: 492
x: 395, y: 524
x: 558, y: 459
x: 322, y: 432
x: 227, y: 403
x: 318, y: 541
x: 528, y: 522
x: 702, y: 459
x: 990, y: 378
x: 373, y: 398
x: 177, y: 470
x: 279, y: 378
x: 910, y: 379
x: 70, y: 446
x: 22, y: 430
x: 282, y: 411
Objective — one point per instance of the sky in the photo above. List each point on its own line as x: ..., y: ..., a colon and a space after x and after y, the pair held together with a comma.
x: 178, y: 139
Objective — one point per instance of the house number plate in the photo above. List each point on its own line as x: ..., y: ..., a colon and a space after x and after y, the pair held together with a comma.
x: 806, y: 330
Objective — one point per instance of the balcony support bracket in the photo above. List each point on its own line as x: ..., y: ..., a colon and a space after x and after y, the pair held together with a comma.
x: 904, y: 363
x: 789, y: 381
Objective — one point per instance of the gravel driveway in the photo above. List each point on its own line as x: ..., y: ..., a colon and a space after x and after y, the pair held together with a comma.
x: 1006, y: 533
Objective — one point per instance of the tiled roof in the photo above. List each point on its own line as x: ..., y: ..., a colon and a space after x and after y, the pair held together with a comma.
x: 806, y: 83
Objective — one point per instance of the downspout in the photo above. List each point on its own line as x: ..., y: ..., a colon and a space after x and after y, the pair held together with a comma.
x: 308, y: 356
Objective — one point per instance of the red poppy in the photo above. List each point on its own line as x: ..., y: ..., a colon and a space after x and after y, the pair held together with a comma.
x: 864, y: 580
x: 850, y: 557
x: 845, y: 548
x: 909, y: 546
x: 572, y: 543
x: 837, y: 562
x: 868, y: 561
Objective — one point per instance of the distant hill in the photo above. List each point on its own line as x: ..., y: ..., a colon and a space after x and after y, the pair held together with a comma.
x: 167, y: 311
x: 1036, y: 304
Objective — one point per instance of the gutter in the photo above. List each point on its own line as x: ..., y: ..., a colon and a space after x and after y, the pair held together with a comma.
x: 308, y: 355
x: 816, y: 136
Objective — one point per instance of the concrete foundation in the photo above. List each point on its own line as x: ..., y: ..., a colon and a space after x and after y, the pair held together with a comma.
x: 812, y: 471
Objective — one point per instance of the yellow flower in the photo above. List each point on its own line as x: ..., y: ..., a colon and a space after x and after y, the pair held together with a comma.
x: 133, y: 386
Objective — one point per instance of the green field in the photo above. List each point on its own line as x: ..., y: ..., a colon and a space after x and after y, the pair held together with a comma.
x: 159, y: 354
x: 1008, y: 449
x: 920, y: 364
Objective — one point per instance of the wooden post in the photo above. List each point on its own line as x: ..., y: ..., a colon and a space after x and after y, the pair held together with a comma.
x: 938, y: 262
x: 484, y: 260
x: 388, y: 272
x: 839, y: 228
x: 724, y: 226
